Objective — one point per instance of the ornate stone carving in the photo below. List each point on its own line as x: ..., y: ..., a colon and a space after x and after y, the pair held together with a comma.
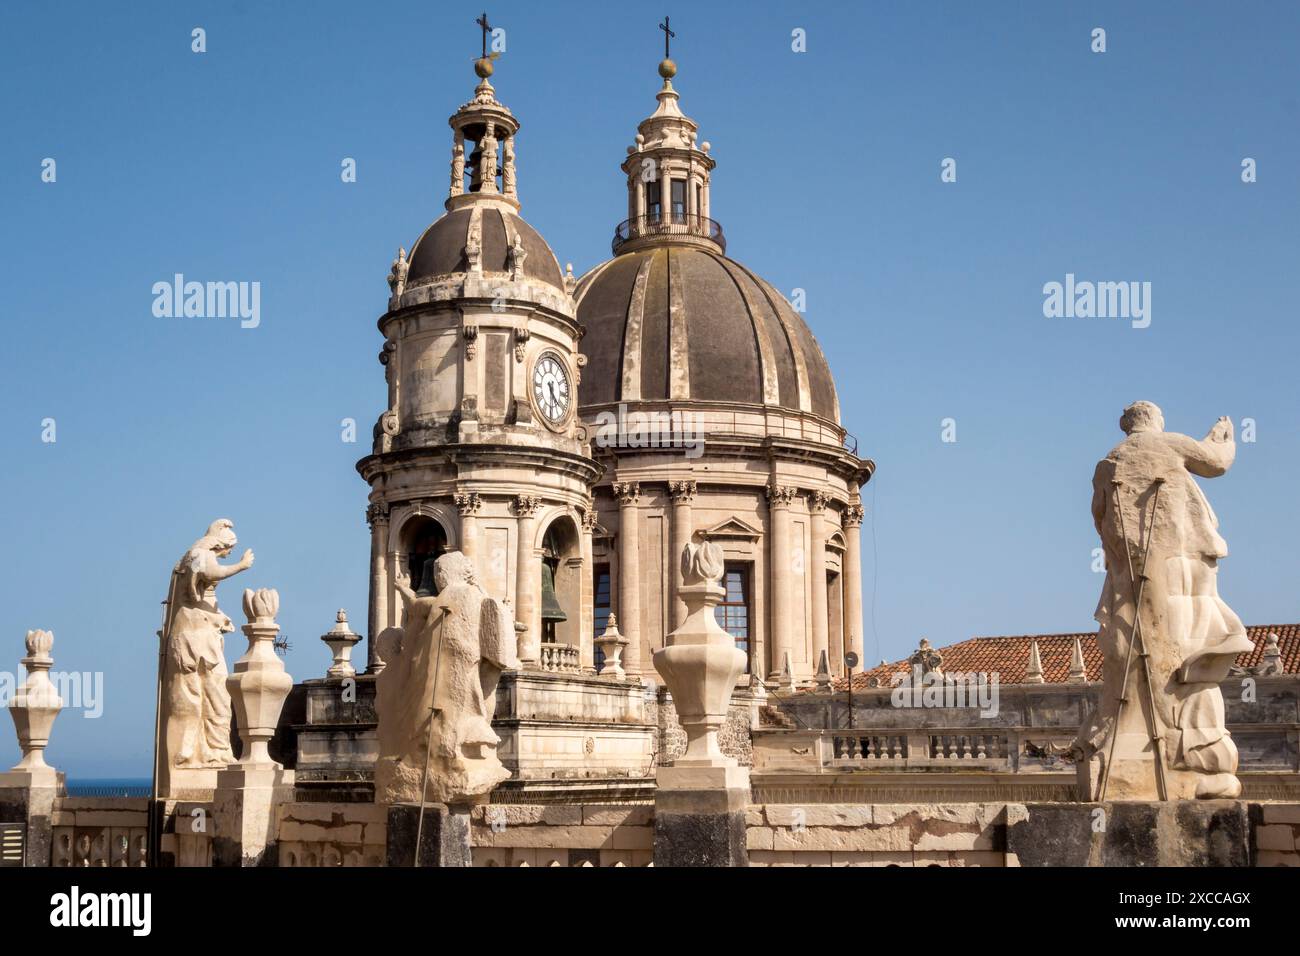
x: 508, y: 167
x: 1167, y: 637
x: 516, y: 256
x: 469, y: 332
x: 853, y: 516
x: 701, y: 663
x: 35, y: 704
x: 474, y: 243
x: 580, y: 361
x: 437, y: 694
x: 521, y: 342
x: 589, y: 518
x: 377, y: 513
x: 467, y: 503
x: 817, y: 501
x: 397, y: 279
x: 525, y: 506
x: 458, y: 164
x: 682, y: 491
x: 258, y: 684
x: 926, y: 659
x: 340, y: 639
x: 781, y: 496
x: 627, y: 492
x: 488, y: 160
x: 195, y: 699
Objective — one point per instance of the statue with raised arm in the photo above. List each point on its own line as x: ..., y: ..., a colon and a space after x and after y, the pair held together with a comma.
x: 195, y: 702
x: 437, y: 692
x: 1158, y: 731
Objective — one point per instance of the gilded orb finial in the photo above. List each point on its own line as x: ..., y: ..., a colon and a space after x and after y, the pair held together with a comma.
x: 667, y: 68
x: 483, y: 68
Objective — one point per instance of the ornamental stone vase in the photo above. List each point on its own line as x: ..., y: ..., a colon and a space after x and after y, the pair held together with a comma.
x: 36, y: 702
x: 701, y: 664
x: 258, y: 683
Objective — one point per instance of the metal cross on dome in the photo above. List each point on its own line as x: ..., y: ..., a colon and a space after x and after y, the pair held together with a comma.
x: 486, y: 28
x: 668, y: 34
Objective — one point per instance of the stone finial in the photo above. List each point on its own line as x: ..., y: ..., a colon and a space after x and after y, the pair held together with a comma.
x: 611, y: 644
x: 258, y: 683
x: 36, y: 703
x: 823, y: 675
x: 1078, y: 673
x: 1271, y: 663
x: 340, y: 639
x: 701, y: 663
x: 926, y: 659
x: 785, y: 677
x: 1034, y: 671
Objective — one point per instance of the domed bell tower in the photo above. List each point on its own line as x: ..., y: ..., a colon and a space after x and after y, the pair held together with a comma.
x: 479, y: 448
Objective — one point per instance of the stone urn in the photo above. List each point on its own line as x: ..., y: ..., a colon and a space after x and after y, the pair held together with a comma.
x: 258, y: 683
x: 701, y: 664
x: 36, y: 702
x: 340, y: 639
x: 611, y: 644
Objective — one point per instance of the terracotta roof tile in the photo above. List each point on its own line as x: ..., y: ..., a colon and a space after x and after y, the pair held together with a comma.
x: 1008, y: 657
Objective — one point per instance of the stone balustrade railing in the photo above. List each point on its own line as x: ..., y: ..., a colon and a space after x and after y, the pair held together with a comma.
x: 560, y: 659
x: 1010, y: 751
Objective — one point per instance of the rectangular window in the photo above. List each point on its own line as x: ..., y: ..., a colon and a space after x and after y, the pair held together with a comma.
x: 652, y: 194
x: 679, y: 200
x: 733, y: 613
x: 601, y: 606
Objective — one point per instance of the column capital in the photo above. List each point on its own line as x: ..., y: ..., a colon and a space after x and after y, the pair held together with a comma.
x: 627, y: 492
x: 853, y: 515
x: 467, y: 503
x: 589, y: 518
x: 525, y: 506
x: 780, y: 496
x: 817, y: 501
x: 377, y: 513
x: 682, y: 491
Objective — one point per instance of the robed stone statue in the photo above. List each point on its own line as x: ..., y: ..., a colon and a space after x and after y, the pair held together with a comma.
x: 1158, y: 731
x: 195, y: 702
x: 437, y: 693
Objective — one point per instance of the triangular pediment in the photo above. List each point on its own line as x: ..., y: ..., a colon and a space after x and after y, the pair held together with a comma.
x: 733, y: 527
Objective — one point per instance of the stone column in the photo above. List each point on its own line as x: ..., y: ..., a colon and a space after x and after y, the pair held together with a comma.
x: 629, y: 573
x: 683, y: 493
x: 527, y: 578
x: 817, y: 569
x: 779, y: 498
x: 377, y: 515
x: 586, y: 636
x: 853, y: 582
x: 468, y: 504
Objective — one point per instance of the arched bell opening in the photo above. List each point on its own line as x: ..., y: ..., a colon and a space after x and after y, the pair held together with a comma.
x: 424, y: 540
x: 561, y: 584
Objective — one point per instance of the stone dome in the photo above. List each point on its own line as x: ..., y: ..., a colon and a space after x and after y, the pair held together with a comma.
x: 441, y: 249
x: 686, y: 323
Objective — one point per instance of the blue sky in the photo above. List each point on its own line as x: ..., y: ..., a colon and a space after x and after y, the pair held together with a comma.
x: 926, y: 296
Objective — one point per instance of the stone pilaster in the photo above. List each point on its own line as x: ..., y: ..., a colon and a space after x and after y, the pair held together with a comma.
x: 468, y: 504
x: 853, y: 582
x: 683, y: 494
x: 586, y: 636
x: 629, y: 573
x: 527, y: 579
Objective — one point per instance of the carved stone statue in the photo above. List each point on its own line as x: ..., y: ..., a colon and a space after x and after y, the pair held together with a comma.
x: 1161, y: 728
x: 195, y: 702
x: 397, y: 278
x: 488, y: 161
x: 508, y: 166
x: 458, y: 165
x: 443, y: 668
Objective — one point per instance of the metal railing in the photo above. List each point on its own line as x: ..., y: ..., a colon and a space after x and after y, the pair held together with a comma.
x: 668, y: 224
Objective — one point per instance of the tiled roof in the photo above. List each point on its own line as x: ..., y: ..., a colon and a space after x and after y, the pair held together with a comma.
x: 1008, y: 657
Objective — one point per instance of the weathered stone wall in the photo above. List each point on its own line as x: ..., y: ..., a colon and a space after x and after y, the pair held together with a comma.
x: 1277, y: 838
x: 332, y: 834
x: 590, y: 835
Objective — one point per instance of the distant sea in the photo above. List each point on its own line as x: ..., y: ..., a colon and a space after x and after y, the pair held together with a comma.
x: 109, y: 787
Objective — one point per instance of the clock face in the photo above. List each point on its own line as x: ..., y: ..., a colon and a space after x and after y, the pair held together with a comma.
x: 551, y: 389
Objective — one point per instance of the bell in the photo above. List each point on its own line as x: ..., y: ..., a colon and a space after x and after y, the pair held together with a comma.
x: 551, y: 610
x: 428, y: 587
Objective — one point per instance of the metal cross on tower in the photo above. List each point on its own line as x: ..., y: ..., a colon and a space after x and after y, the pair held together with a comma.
x: 668, y: 34
x: 486, y: 28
